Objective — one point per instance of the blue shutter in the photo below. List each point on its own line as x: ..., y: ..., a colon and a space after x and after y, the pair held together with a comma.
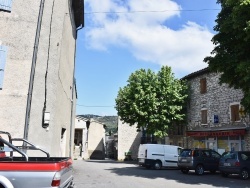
x: 6, y: 5
x: 3, y: 50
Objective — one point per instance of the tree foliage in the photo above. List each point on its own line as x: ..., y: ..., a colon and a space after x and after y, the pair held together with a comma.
x: 231, y: 55
x: 152, y: 100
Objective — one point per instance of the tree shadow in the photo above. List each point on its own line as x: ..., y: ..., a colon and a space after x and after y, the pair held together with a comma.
x: 175, y: 174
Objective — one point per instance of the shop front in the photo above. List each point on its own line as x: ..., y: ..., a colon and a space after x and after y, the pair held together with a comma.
x: 220, y: 140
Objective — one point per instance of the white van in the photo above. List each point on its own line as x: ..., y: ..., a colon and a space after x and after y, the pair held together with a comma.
x: 158, y: 155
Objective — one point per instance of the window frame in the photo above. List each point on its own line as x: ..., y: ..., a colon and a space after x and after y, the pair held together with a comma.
x: 203, y: 85
x: 234, y: 109
x: 3, y: 58
x: 204, y: 118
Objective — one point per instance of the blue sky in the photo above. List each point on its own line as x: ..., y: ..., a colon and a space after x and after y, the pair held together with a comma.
x: 122, y: 36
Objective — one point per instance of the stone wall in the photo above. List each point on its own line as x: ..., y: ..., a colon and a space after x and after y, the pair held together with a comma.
x: 216, y: 101
x: 128, y: 140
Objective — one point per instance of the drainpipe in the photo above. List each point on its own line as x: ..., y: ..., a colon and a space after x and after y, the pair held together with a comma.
x: 32, y: 72
x: 72, y: 97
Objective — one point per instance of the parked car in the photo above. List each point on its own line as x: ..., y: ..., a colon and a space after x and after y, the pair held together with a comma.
x: 158, y: 155
x: 199, y: 160
x: 237, y: 162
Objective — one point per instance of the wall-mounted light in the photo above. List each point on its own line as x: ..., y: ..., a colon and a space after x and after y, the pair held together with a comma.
x: 242, y: 111
x: 46, y: 120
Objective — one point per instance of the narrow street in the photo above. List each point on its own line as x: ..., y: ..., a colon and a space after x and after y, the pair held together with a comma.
x: 113, y: 174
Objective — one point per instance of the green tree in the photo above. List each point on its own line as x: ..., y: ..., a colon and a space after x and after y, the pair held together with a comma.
x: 152, y: 100
x: 231, y: 55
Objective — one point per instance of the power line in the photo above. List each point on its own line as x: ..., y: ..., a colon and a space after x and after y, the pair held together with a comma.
x: 94, y: 106
x: 150, y: 11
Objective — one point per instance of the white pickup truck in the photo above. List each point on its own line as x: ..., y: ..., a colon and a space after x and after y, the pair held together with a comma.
x: 22, y: 171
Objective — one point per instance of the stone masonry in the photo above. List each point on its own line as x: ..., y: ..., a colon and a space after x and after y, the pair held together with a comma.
x: 128, y: 140
x: 216, y: 100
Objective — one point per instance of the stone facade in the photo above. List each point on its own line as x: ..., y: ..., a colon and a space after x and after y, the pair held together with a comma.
x: 128, y: 140
x: 90, y: 140
x: 39, y: 39
x: 220, y: 131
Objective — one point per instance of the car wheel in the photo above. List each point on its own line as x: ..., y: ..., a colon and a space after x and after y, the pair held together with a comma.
x: 157, y: 165
x: 184, y: 171
x: 244, y: 174
x: 199, y: 170
x: 224, y: 174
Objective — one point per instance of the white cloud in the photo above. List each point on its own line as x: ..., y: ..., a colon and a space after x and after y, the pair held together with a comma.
x: 146, y: 36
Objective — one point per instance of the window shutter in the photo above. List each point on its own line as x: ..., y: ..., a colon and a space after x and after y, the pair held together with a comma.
x: 235, y: 113
x: 203, y: 85
x: 3, y: 50
x: 5, y: 5
x: 204, y: 117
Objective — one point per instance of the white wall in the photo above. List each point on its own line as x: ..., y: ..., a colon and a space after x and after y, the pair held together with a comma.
x: 128, y: 140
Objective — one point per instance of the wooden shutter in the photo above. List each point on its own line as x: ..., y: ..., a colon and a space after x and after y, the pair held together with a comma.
x: 203, y: 85
x: 235, y: 113
x: 204, y: 117
x: 5, y: 5
x: 3, y: 50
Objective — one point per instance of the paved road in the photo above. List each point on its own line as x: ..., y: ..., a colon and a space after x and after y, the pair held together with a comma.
x: 113, y: 174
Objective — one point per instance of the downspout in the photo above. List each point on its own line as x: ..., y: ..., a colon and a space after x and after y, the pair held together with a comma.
x: 32, y: 72
x: 72, y: 98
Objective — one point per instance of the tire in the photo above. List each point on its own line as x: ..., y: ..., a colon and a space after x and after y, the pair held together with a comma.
x: 157, y: 165
x: 4, y: 182
x: 244, y: 174
x: 199, y: 170
x: 224, y: 174
x: 184, y: 171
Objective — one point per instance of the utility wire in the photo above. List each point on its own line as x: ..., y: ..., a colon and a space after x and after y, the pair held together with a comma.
x: 150, y: 11
x: 94, y: 106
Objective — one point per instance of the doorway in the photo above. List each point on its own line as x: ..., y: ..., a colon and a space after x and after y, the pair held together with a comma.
x: 234, y: 145
x: 211, y: 144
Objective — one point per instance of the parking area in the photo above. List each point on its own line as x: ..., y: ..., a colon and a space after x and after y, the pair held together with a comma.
x: 113, y: 174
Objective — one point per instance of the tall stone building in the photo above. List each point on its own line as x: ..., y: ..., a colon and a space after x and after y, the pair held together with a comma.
x: 37, y: 64
x: 216, y: 119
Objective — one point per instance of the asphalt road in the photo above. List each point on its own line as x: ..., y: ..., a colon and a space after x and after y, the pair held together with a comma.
x: 113, y: 174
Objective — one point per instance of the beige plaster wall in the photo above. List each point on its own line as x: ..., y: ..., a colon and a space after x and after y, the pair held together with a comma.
x: 57, y: 50
x: 128, y: 140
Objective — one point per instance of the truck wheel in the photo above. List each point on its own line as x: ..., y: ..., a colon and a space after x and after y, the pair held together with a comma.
x: 4, y: 182
x: 184, y: 171
x: 244, y: 174
x: 157, y: 165
x: 199, y: 170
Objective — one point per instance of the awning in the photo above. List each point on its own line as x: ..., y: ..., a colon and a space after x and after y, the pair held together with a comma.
x: 217, y: 133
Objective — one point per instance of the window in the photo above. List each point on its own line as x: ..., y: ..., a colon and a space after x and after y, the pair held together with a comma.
x: 3, y: 50
x: 235, y: 112
x: 204, y: 116
x: 203, y: 85
x: 5, y: 5
x: 215, y: 155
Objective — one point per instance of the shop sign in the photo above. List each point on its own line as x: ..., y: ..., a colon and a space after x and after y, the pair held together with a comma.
x: 217, y: 133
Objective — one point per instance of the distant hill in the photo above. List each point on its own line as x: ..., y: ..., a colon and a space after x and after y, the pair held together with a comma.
x: 111, y: 122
